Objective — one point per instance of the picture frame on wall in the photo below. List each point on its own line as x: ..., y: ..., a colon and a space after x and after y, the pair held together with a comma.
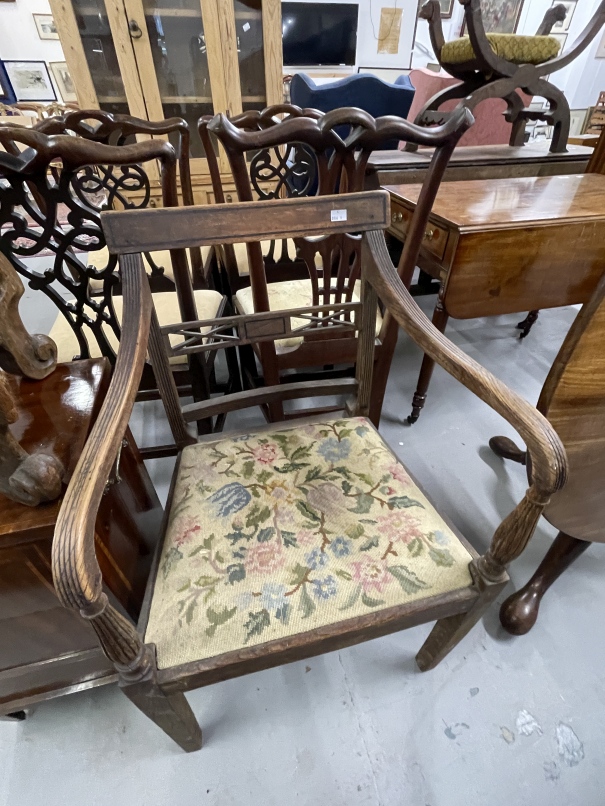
x: 30, y: 80
x: 45, y: 26
x: 447, y: 6
x: 499, y: 17
x: 563, y: 25
x: 64, y: 82
x: 7, y: 94
x: 600, y: 53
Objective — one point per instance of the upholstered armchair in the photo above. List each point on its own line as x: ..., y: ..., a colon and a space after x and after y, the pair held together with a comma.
x: 496, y: 65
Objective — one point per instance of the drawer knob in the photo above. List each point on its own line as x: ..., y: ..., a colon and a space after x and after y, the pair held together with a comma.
x: 397, y: 218
x: 429, y: 234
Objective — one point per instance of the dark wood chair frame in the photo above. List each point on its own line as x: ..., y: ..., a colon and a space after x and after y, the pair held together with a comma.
x: 159, y: 693
x: 490, y: 76
x: 335, y: 165
x: 573, y: 400
x: 28, y: 186
x: 117, y: 130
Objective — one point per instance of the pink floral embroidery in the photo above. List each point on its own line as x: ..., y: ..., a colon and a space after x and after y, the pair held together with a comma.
x: 399, y: 526
x: 266, y: 453
x: 263, y: 558
x: 399, y: 474
x: 371, y: 574
x: 305, y: 537
x: 188, y: 528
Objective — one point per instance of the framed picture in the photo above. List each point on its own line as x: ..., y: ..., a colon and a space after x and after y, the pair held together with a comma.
x: 499, y: 17
x: 446, y: 8
x: 7, y: 94
x: 600, y: 53
x: 561, y: 38
x: 31, y: 81
x: 46, y: 26
x: 570, y: 6
x: 60, y: 73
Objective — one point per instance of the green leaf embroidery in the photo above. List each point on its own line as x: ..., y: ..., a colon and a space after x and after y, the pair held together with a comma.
x: 366, y: 479
x: 306, y: 604
x: 248, y: 469
x: 299, y: 572
x: 283, y: 441
x: 236, y: 572
x: 370, y: 543
x: 256, y: 623
x: 289, y: 539
x: 171, y: 558
x: 353, y: 597
x: 343, y: 574
x: 369, y: 602
x: 364, y: 504
x: 265, y: 534
x: 307, y: 511
x: 301, y: 452
x: 203, y: 488
x: 219, y: 558
x: 355, y: 531
x: 216, y: 618
x: 257, y: 515
x: 403, y: 502
x: 290, y: 467
x: 190, y: 611
x: 346, y: 486
x: 313, y: 474
x: 408, y: 580
x: 441, y: 557
x: 207, y: 542
x: 206, y: 581
x: 415, y: 547
x: 264, y: 476
x: 185, y: 587
x: 343, y: 471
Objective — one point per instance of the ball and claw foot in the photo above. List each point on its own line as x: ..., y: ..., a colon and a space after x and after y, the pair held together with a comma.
x: 505, y: 448
x: 526, y: 325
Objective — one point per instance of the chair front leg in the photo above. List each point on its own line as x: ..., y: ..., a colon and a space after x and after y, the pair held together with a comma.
x: 558, y: 112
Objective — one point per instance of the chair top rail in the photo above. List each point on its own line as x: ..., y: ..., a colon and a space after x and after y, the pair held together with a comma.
x: 205, y: 225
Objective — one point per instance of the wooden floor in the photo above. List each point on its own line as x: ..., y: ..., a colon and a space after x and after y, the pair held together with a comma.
x: 476, y: 162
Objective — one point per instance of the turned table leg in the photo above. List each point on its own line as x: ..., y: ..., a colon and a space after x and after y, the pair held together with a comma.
x: 519, y: 612
x: 440, y: 318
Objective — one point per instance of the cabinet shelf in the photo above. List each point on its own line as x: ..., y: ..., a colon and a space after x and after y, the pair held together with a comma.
x: 175, y: 12
x: 248, y: 15
x: 186, y: 99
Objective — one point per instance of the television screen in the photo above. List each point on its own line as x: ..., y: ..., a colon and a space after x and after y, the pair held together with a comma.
x: 319, y: 33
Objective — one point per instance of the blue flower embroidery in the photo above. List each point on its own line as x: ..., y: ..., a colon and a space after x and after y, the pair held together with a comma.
x: 332, y: 450
x: 340, y: 547
x: 230, y: 498
x: 324, y: 588
x: 441, y: 538
x: 273, y: 596
x: 316, y: 559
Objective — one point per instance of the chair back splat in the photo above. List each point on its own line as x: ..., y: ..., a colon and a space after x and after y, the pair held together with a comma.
x: 285, y: 151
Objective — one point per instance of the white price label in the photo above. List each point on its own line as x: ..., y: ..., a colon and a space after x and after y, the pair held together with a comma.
x: 338, y: 215
x: 246, y: 26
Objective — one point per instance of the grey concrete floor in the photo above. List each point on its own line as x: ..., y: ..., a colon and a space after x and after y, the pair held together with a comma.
x: 501, y: 721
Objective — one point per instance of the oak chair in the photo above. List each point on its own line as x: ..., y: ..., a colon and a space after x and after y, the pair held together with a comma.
x: 117, y: 130
x: 496, y: 65
x: 51, y: 216
x: 302, y: 537
x: 573, y: 401
x: 319, y: 155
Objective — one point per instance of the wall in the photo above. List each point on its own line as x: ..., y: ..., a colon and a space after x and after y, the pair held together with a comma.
x: 19, y: 36
x: 367, y: 35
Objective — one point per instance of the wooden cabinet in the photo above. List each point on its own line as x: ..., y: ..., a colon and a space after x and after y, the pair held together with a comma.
x: 156, y: 59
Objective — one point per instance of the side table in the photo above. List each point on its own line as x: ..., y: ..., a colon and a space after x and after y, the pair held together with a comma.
x: 46, y: 650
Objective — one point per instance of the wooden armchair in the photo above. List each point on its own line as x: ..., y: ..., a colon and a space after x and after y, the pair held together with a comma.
x: 573, y: 400
x: 300, y: 538
x: 118, y: 130
x: 496, y: 65
x: 304, y: 155
x: 50, y: 216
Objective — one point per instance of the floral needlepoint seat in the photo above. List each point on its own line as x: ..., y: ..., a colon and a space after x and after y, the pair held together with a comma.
x: 285, y: 532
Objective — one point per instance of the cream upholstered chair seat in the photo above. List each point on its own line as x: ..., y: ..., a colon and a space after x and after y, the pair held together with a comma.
x: 208, y: 305
x: 287, y: 295
x: 241, y: 253
x: 255, y: 552
x: 100, y: 258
